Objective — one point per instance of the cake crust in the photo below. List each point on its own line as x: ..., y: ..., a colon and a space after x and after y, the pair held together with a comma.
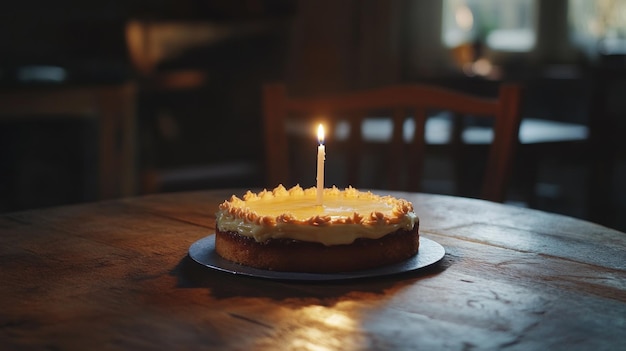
x: 290, y: 255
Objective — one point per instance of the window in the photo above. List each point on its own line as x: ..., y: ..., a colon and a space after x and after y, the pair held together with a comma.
x: 500, y: 25
x: 598, y: 26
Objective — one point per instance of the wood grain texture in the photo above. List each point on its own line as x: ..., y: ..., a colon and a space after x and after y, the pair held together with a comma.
x: 115, y: 275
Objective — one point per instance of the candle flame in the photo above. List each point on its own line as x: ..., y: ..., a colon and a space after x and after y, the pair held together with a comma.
x: 320, y: 133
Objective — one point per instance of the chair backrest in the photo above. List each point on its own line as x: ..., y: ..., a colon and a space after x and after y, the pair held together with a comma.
x: 398, y: 103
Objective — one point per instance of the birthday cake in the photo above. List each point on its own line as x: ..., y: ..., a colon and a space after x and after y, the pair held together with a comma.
x: 288, y: 230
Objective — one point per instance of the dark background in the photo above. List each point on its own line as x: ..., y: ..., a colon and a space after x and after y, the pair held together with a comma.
x: 206, y: 133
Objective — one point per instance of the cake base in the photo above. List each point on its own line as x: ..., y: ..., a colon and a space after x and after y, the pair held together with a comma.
x: 299, y: 256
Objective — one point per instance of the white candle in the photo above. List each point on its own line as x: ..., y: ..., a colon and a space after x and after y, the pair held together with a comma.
x: 321, y: 156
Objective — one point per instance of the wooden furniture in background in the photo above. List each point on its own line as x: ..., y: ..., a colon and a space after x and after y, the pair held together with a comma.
x: 114, y: 108
x: 116, y: 275
x: 402, y: 101
x: 184, y: 76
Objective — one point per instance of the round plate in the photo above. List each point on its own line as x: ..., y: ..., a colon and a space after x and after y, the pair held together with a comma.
x: 203, y: 252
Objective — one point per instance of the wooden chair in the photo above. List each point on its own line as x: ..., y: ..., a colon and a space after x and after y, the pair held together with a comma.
x: 114, y: 108
x: 399, y: 102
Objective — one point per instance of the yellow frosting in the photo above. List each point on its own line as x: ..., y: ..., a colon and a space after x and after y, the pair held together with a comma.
x: 344, y: 216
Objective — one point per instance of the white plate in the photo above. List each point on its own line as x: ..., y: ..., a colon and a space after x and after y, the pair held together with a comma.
x: 203, y: 252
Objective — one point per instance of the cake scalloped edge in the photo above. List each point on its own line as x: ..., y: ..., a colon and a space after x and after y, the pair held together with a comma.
x: 235, y: 207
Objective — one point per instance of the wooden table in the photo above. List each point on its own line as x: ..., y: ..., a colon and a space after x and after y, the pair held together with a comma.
x: 116, y: 275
